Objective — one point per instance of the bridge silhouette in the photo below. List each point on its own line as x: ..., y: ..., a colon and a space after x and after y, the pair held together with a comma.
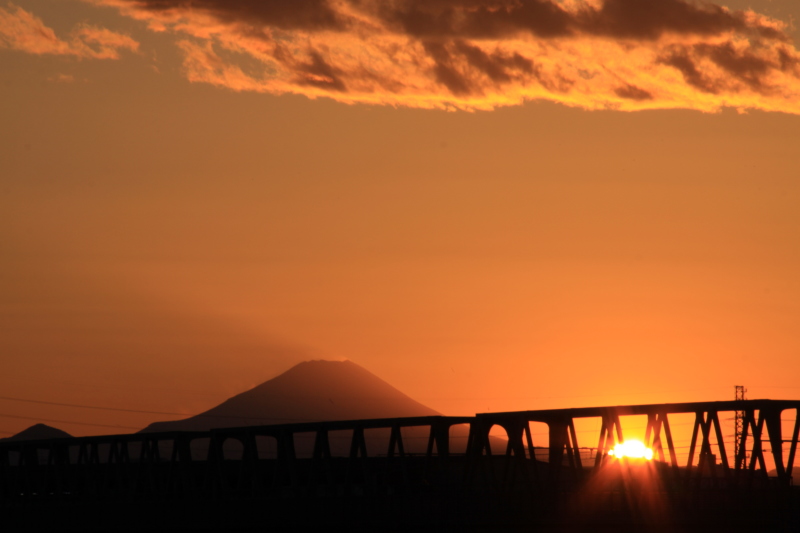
x: 497, y: 476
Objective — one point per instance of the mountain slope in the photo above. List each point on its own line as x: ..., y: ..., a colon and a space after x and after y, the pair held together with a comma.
x: 310, y: 391
x: 38, y: 432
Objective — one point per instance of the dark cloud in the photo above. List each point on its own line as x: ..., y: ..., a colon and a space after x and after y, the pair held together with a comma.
x: 740, y: 67
x: 631, y: 92
x: 319, y: 73
x: 477, y: 19
x: 283, y: 14
x: 649, y: 19
x: 500, y: 68
x: 483, y: 19
x: 497, y: 66
x: 789, y: 62
x: 681, y: 59
x: 445, y: 72
x: 316, y: 72
x: 461, y: 68
x: 743, y: 65
x: 629, y: 19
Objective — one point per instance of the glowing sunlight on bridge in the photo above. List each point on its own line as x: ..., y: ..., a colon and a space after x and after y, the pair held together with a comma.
x: 632, y: 449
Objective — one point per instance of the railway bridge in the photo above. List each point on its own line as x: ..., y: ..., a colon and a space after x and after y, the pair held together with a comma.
x: 509, y: 469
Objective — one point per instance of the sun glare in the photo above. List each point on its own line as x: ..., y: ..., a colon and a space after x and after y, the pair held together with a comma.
x: 632, y: 449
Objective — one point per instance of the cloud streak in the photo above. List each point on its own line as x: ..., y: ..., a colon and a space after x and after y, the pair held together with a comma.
x: 23, y: 31
x: 482, y: 54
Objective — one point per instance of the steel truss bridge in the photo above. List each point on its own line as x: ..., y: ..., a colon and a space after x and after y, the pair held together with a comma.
x: 90, y: 482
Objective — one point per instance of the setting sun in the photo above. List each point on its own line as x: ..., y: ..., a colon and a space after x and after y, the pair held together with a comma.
x: 632, y: 449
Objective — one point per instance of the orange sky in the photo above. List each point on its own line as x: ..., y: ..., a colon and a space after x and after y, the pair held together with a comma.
x: 188, y: 206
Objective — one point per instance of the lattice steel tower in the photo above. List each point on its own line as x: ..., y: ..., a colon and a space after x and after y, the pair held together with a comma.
x: 739, y: 423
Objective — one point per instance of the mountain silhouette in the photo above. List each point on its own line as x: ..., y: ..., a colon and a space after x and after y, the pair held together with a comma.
x: 311, y: 391
x: 315, y: 391
x: 37, y: 432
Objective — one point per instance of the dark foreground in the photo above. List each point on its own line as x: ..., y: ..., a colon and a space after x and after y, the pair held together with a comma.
x: 418, y: 513
x: 620, y: 498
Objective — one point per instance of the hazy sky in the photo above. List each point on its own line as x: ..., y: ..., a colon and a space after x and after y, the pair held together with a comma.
x: 491, y: 204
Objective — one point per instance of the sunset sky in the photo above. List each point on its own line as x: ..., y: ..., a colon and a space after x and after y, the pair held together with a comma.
x: 491, y: 204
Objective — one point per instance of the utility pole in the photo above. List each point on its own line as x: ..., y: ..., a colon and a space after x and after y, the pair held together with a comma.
x: 739, y: 426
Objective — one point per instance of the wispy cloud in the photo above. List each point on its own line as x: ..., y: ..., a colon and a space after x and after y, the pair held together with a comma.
x: 23, y: 31
x: 480, y: 54
x: 62, y: 78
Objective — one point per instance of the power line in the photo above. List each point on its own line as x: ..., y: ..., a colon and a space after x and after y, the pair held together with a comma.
x: 65, y: 421
x: 61, y: 404
x: 121, y: 410
x: 82, y: 386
